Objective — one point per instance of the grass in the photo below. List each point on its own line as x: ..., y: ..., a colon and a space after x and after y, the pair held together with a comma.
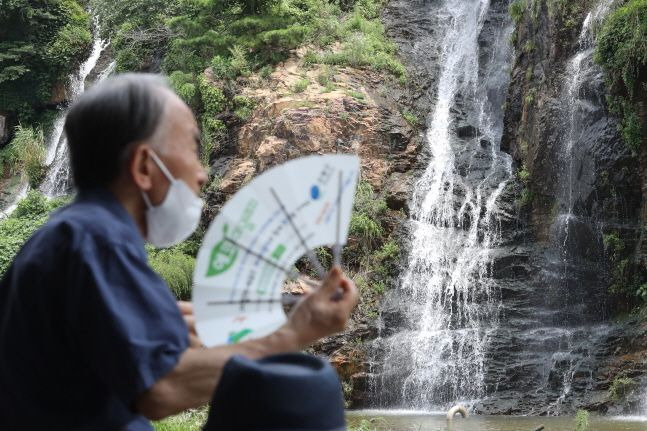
x: 355, y: 94
x: 582, y: 420
x: 301, y: 85
x: 25, y: 154
x: 191, y: 420
x: 411, y: 118
x: 176, y: 268
x: 619, y: 387
x: 517, y: 10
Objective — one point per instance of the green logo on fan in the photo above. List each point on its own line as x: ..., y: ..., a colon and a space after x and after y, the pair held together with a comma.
x: 235, y: 337
x: 223, y: 255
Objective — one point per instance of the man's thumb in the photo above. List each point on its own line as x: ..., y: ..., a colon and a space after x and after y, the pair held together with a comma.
x: 332, y: 281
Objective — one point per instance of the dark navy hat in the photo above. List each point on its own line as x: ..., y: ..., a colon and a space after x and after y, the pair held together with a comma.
x: 279, y: 393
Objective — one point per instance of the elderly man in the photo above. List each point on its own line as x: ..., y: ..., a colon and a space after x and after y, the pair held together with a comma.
x: 90, y: 336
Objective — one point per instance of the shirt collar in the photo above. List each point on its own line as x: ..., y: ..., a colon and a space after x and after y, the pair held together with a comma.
x: 109, y: 201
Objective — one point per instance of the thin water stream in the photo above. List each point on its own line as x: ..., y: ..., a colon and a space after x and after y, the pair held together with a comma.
x: 57, y: 181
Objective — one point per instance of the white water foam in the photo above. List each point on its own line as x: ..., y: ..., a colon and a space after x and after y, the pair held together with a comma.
x: 56, y: 180
x: 449, y: 301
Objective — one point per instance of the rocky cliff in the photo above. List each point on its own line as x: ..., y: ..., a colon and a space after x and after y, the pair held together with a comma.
x: 303, y: 109
x: 583, y: 205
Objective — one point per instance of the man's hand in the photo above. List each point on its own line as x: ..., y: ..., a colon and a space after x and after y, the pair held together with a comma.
x: 191, y: 383
x: 186, y: 308
x: 324, y: 311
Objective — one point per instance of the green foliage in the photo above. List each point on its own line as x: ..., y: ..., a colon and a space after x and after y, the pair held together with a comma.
x: 186, y: 86
x: 516, y: 10
x: 531, y: 96
x: 301, y: 85
x: 31, y: 213
x: 364, y: 43
x: 582, y: 420
x: 355, y: 94
x: 524, y: 175
x: 25, y: 155
x: 526, y: 198
x: 325, y: 76
x: 213, y: 99
x: 620, y: 386
x: 567, y: 13
x: 176, y: 268
x: 191, y: 420
x: 626, y: 279
x: 365, y: 228
x: 367, y: 211
x: 622, y: 51
x: 213, y: 132
x: 613, y: 244
x: 411, y: 118
x: 40, y: 44
x: 372, y: 424
x: 265, y: 71
x: 243, y: 107
x: 529, y: 46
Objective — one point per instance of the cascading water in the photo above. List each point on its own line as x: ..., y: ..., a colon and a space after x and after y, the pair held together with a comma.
x: 576, y: 227
x: 448, y: 301
x: 56, y: 182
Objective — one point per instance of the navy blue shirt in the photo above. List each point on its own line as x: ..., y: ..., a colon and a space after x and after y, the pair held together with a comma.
x: 85, y: 323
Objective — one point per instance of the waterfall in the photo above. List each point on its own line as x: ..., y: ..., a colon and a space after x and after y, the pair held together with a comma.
x: 578, y: 109
x: 576, y: 227
x: 56, y: 182
x: 448, y: 302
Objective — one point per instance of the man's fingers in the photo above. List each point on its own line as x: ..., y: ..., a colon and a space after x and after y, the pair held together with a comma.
x: 185, y: 307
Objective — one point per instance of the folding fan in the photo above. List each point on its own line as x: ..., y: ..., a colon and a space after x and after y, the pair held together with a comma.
x: 252, y: 245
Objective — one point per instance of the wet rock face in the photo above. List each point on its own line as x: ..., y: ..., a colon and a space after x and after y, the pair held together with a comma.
x: 554, y: 349
x: 362, y: 115
x: 5, y: 132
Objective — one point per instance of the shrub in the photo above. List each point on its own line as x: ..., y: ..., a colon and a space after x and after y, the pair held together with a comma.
x: 243, y: 107
x: 582, y: 420
x: 620, y: 386
x: 25, y: 154
x: 355, y: 94
x: 526, y: 198
x: 239, y: 63
x: 524, y: 175
x: 31, y: 213
x: 176, y: 268
x: 191, y: 420
x: 517, y: 9
x: 622, y: 52
x: 411, y: 118
x: 325, y: 77
x: 213, y: 99
x: 364, y: 228
x: 301, y: 85
x: 367, y: 211
x: 185, y: 85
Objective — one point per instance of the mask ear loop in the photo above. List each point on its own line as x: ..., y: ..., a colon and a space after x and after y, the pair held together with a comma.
x: 164, y: 170
x: 162, y: 166
x: 147, y: 200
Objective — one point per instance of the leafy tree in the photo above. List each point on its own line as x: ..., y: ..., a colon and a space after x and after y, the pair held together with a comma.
x: 622, y: 52
x: 40, y: 44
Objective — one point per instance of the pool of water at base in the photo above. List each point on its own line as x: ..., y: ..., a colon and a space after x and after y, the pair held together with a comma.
x: 397, y: 420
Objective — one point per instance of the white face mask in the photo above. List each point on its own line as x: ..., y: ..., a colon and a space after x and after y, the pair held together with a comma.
x: 177, y: 216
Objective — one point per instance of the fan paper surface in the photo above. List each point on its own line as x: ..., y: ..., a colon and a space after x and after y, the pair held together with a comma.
x: 237, y: 294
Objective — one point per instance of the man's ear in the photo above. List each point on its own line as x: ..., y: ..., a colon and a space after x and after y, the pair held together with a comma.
x: 141, y: 167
